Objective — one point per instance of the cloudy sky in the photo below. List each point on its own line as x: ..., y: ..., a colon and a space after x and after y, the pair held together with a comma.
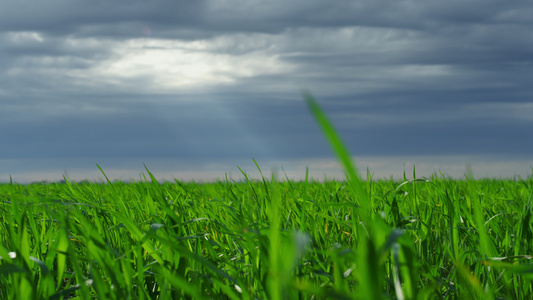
x: 195, y: 88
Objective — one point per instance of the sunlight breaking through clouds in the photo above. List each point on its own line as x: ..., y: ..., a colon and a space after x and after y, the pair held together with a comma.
x: 167, y: 66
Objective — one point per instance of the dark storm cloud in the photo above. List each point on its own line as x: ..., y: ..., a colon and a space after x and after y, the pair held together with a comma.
x: 434, y: 16
x: 96, y: 18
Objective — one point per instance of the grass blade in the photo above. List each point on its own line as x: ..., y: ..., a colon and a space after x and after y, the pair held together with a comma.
x: 342, y: 153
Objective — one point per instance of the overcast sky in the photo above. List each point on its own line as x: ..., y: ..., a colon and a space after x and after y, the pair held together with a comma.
x: 195, y: 88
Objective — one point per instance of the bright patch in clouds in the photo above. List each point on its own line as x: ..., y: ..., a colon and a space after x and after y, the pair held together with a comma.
x: 180, y: 65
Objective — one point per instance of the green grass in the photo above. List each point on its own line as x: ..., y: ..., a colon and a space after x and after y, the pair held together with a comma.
x: 272, y: 238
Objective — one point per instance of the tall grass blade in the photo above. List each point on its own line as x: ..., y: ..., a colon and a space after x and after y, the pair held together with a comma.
x: 275, y: 275
x: 342, y: 154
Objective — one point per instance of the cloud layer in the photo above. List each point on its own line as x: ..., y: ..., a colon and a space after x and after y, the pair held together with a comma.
x: 218, y: 82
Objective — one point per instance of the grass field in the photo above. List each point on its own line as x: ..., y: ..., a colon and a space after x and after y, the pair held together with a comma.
x: 271, y: 238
